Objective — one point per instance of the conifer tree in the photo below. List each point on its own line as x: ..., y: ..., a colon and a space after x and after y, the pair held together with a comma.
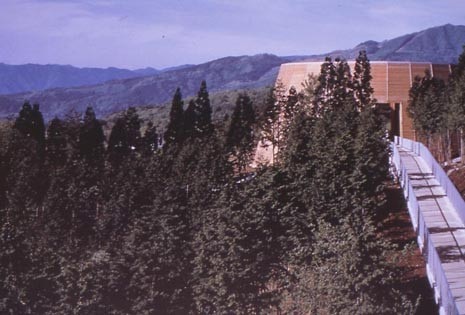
x: 124, y: 137
x: 239, y: 137
x: 189, y: 120
x: 150, y: 140
x: 456, y: 101
x: 426, y: 106
x: 361, y: 80
x: 235, y: 260
x: 160, y: 252
x: 31, y: 123
x: 291, y: 108
x: 91, y: 138
x: 38, y: 126
x: 269, y: 118
x: 325, y: 88
x: 203, y: 111
x: 56, y: 144
x: 174, y: 130
x: 271, y: 122
x: 25, y: 159
x: 343, y: 95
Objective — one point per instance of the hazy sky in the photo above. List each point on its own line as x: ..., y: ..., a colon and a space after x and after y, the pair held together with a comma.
x: 161, y: 33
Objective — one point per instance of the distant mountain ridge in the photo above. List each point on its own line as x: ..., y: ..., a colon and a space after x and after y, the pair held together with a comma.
x: 227, y: 73
x: 442, y: 44
x: 34, y: 77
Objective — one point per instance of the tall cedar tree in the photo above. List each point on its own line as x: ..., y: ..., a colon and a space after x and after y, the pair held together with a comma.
x: 239, y: 137
x: 124, y: 137
x: 363, y: 90
x: 174, y: 130
x: 333, y: 157
x: 56, y: 148
x: 160, y: 254
x: 235, y: 261
x: 150, y: 140
x: 25, y: 158
x: 5, y: 130
x: 203, y: 112
x: 189, y: 121
x: 325, y: 88
x: 269, y: 118
x: 271, y: 123
x: 456, y: 100
x: 291, y: 108
x: 31, y: 123
x: 426, y: 106
x: 91, y: 138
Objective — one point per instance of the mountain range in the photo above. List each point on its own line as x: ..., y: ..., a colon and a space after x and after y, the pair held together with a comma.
x: 442, y: 44
x: 33, y: 77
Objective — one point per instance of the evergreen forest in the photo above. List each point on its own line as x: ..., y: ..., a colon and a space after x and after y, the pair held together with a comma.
x: 175, y: 221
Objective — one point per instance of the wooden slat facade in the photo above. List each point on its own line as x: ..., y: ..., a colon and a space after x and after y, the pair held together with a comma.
x: 442, y: 71
x: 391, y: 82
x: 379, y: 83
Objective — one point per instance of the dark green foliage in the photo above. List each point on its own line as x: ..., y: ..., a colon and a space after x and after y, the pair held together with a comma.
x: 371, y: 156
x: 125, y: 137
x: 291, y: 107
x: 335, y: 87
x: 189, y: 120
x: 325, y: 88
x: 456, y: 100
x: 26, y: 178
x: 56, y: 146
x: 459, y: 69
x: 239, y: 137
x: 174, y: 131
x: 149, y: 143
x: 238, y: 254
x: 270, y: 122
x: 91, y: 138
x: 427, y: 103
x: 361, y: 81
x: 337, y: 162
x: 270, y: 116
x: 203, y: 111
x: 161, y: 258
x: 5, y: 131
x: 175, y: 231
x: 30, y: 122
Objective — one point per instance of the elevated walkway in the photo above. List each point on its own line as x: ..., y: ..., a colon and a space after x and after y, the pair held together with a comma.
x: 437, y: 217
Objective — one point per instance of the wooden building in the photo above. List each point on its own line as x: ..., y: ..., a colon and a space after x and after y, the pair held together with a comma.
x: 391, y: 83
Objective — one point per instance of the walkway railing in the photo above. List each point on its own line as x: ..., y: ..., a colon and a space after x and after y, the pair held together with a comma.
x: 435, y: 268
x: 438, y: 172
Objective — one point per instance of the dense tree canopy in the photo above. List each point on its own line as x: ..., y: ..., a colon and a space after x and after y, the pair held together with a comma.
x: 179, y: 230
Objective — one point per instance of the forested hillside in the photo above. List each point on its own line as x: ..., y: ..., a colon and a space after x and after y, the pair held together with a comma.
x: 90, y: 225
x: 228, y: 73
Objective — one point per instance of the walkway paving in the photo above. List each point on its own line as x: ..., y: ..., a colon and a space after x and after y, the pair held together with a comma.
x: 446, y: 229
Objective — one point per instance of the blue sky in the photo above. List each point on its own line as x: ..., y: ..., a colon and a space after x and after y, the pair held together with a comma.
x: 162, y: 33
